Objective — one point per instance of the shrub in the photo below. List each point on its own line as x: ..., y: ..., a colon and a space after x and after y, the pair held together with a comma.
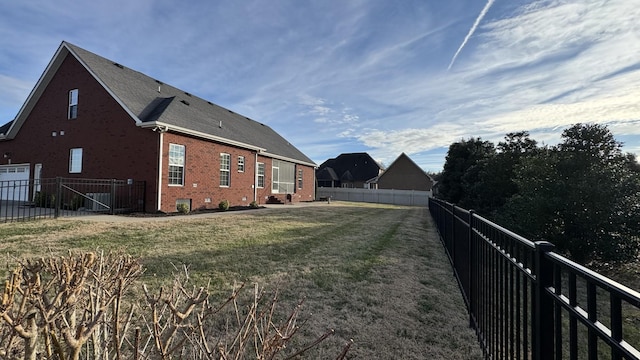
x: 75, y: 203
x: 254, y: 205
x: 43, y: 199
x: 224, y: 205
x: 88, y: 295
x: 183, y: 208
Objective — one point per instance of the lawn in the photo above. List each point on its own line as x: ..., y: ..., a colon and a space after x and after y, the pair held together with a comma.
x: 376, y: 274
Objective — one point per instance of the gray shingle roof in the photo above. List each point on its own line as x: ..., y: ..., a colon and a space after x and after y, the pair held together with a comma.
x: 349, y: 167
x: 4, y: 128
x: 152, y: 101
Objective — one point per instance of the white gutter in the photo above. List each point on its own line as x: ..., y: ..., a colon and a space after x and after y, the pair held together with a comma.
x: 199, y: 134
x: 295, y: 161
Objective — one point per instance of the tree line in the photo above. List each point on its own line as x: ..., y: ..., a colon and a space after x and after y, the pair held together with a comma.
x: 583, y: 195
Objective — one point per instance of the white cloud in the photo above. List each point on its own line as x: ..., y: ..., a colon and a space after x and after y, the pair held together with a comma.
x: 337, y: 76
x: 483, y: 12
x: 13, y: 93
x: 553, y: 64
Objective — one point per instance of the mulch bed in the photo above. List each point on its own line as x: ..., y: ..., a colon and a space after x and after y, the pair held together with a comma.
x: 194, y: 212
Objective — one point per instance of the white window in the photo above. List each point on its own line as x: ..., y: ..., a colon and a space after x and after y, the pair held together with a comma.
x: 176, y: 164
x: 75, y: 161
x: 283, y: 179
x: 240, y: 163
x: 260, y: 175
x: 225, y: 167
x: 299, y: 178
x: 73, y: 104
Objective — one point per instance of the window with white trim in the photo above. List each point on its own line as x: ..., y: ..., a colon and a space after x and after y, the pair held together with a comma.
x: 225, y: 167
x: 260, y: 175
x: 240, y: 163
x: 284, y: 177
x: 176, y: 164
x: 299, y: 178
x: 72, y: 113
x: 75, y: 161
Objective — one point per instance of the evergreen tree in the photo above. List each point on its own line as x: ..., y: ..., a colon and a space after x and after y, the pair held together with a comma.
x: 582, y: 195
x: 456, y: 175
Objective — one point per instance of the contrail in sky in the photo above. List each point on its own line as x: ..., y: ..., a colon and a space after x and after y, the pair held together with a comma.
x: 471, y: 31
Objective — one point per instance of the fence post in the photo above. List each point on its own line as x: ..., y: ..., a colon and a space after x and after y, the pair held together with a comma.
x: 112, y: 202
x: 144, y: 196
x: 471, y: 263
x: 543, y: 316
x: 58, y: 205
x: 452, y: 238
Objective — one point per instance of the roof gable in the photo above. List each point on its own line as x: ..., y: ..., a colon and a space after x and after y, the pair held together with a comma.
x: 5, y: 128
x: 152, y: 103
x: 404, y: 161
x: 351, y: 167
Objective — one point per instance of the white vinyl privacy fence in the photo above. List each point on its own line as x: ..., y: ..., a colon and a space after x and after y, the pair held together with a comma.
x: 382, y: 196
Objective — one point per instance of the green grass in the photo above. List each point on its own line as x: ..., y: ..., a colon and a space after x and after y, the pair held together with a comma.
x: 376, y: 274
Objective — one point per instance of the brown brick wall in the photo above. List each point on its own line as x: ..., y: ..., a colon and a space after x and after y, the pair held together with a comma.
x: 113, y: 147
x: 202, y: 176
x: 404, y: 175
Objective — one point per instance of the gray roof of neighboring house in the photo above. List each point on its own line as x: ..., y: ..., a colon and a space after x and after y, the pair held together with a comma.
x: 4, y: 128
x: 349, y: 167
x: 152, y: 102
x: 327, y: 174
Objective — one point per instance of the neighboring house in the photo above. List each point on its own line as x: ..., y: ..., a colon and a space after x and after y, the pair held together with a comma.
x: 351, y: 170
x: 89, y: 117
x: 403, y: 174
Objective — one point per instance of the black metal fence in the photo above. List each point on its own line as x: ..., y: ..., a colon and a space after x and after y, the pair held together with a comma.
x: 527, y: 302
x: 51, y: 198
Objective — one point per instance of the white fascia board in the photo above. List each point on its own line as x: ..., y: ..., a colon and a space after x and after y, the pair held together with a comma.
x: 284, y: 158
x: 178, y: 129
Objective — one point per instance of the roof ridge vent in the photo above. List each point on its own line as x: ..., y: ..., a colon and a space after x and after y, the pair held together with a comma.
x: 159, y: 82
x: 184, y: 102
x: 118, y: 65
x: 186, y: 93
x: 230, y: 111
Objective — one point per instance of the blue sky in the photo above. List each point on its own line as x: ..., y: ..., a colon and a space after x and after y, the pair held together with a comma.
x: 381, y: 76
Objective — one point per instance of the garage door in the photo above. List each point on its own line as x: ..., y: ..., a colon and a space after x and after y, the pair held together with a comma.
x: 14, y: 182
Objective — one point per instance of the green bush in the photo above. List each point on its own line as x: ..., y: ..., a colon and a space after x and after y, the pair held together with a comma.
x: 254, y: 205
x: 42, y: 199
x: 183, y: 208
x: 75, y: 203
x: 224, y: 205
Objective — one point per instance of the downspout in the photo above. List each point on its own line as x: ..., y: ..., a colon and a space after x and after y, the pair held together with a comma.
x: 161, y: 148
x: 255, y: 178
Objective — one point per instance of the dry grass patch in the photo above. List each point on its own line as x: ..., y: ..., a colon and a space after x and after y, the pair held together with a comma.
x: 376, y: 274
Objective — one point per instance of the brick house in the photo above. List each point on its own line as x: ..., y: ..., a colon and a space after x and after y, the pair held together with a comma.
x: 403, y: 174
x: 348, y: 170
x: 90, y: 117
